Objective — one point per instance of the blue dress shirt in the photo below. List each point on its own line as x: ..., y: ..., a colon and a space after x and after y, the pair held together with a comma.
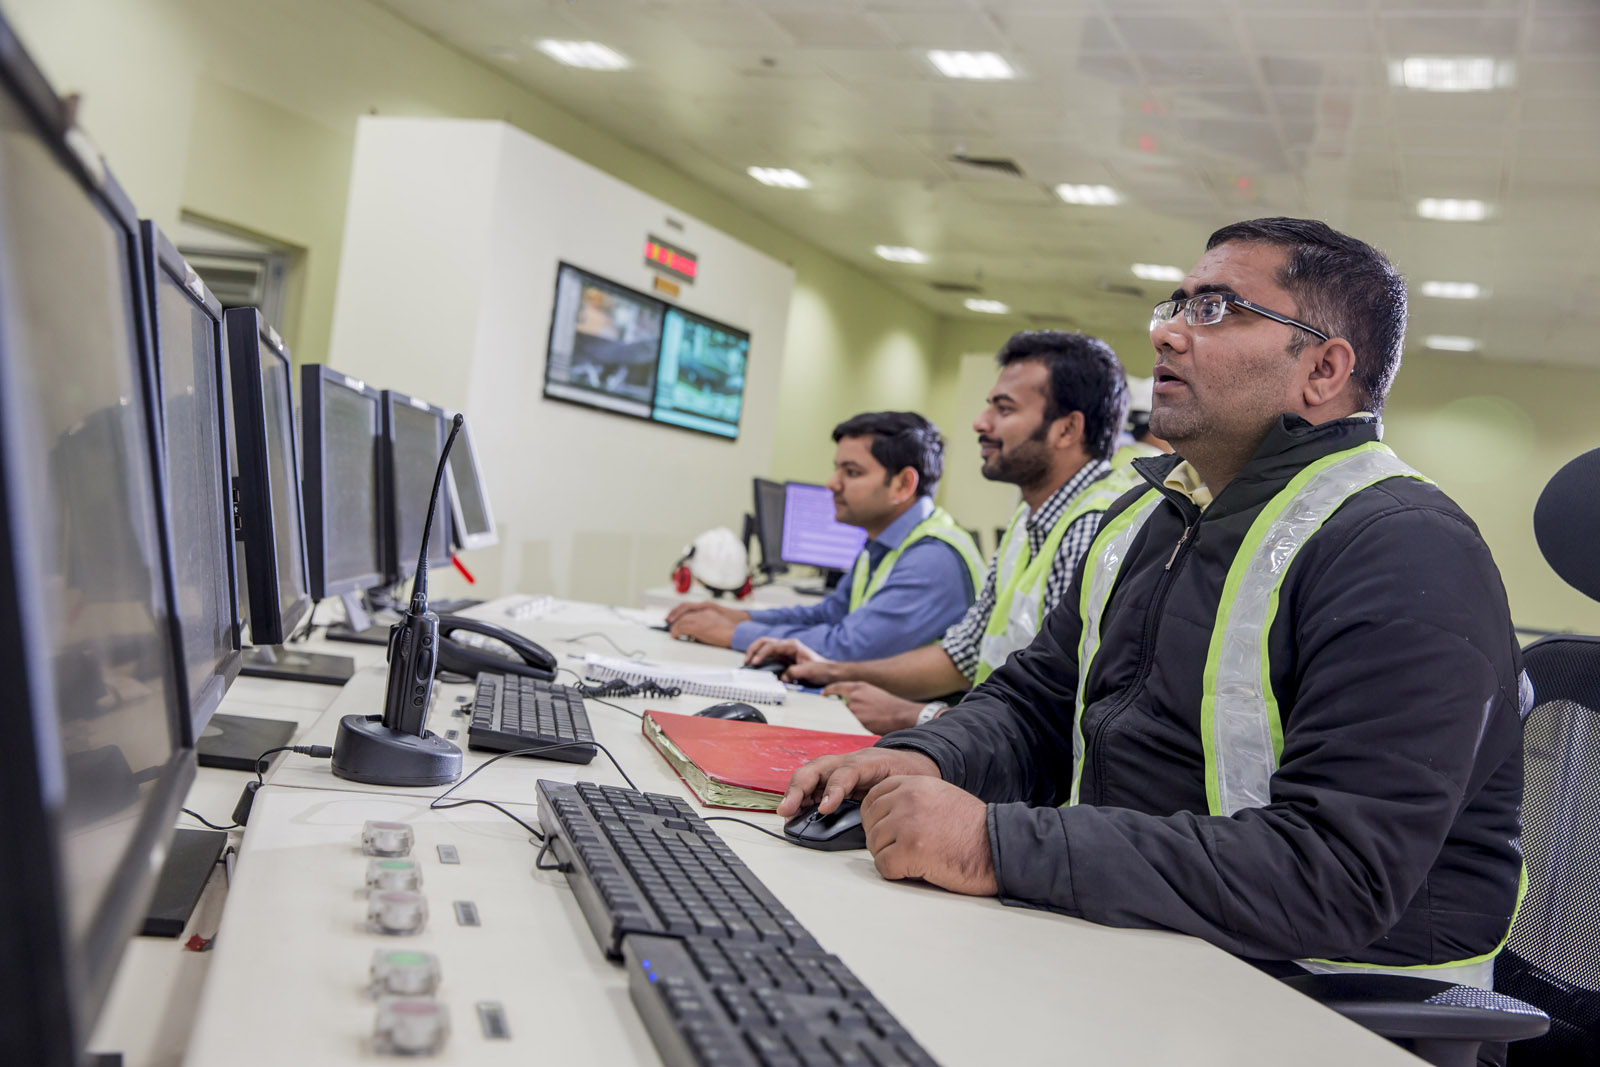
x: 929, y: 590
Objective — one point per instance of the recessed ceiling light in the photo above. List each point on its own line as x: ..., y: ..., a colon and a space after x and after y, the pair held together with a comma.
x: 1453, y: 290
x: 1453, y: 210
x: 983, y: 66
x: 1446, y: 343
x: 1101, y: 195
x: 782, y: 177
x: 591, y: 55
x: 988, y: 307
x: 1155, y: 272
x: 900, y: 254
x: 1452, y: 74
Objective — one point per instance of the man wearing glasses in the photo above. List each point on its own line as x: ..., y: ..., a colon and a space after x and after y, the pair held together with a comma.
x: 1280, y: 706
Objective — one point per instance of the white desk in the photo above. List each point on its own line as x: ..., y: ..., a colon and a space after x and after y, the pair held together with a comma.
x: 149, y: 1011
x: 976, y: 982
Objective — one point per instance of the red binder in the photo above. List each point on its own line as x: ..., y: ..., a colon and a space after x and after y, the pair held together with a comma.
x: 743, y: 765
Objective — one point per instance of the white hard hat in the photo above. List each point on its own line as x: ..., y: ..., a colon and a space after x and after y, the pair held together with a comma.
x: 1141, y: 394
x: 717, y: 560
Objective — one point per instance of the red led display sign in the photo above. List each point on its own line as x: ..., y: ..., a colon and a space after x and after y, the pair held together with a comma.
x: 662, y: 256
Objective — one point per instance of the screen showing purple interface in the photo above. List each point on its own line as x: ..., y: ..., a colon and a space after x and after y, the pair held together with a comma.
x: 811, y: 535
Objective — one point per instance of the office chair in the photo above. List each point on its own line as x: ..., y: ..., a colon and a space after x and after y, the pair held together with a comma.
x: 1552, y: 958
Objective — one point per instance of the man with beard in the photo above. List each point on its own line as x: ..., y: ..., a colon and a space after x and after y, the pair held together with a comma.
x: 1049, y: 428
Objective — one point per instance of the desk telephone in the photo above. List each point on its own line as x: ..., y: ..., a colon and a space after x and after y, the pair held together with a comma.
x: 467, y: 657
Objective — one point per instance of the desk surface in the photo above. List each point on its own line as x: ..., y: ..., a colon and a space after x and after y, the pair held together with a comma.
x: 976, y: 982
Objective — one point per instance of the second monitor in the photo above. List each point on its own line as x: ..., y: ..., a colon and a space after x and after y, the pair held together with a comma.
x: 811, y: 534
x: 414, y: 434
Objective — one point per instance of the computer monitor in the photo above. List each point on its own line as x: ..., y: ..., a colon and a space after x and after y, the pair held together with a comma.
x: 769, y: 525
x: 605, y: 339
x: 190, y: 362
x: 341, y: 420
x: 700, y: 378
x: 811, y: 535
x: 414, y: 432
x: 271, y: 524
x: 97, y: 754
x: 470, y: 515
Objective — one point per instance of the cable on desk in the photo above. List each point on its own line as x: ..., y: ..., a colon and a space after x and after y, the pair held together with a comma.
x: 538, y: 861
x: 745, y: 822
x: 314, y: 751
x: 435, y: 805
x: 616, y: 687
x: 202, y: 819
x: 607, y: 640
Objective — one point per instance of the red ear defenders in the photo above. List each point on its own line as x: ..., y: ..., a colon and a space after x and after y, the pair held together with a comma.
x: 682, y: 579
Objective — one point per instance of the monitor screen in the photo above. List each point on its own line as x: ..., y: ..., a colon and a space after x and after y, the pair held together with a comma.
x: 811, y: 535
x: 188, y: 338
x: 700, y: 379
x: 604, y: 342
x: 272, y: 526
x: 97, y: 755
x: 769, y: 524
x: 342, y: 423
x: 416, y: 433
x: 470, y: 514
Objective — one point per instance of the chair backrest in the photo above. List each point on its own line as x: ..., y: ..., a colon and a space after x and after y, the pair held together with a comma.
x: 1552, y: 958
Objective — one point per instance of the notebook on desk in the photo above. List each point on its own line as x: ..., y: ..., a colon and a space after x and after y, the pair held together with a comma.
x: 724, y: 683
x: 745, y: 765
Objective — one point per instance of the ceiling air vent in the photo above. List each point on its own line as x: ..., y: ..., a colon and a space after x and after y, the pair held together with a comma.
x: 992, y: 164
x: 956, y: 287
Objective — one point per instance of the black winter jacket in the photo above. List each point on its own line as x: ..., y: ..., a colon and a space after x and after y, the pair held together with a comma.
x: 1392, y: 834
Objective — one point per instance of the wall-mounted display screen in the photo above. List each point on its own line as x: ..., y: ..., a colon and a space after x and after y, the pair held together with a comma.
x: 613, y: 347
x: 700, y: 378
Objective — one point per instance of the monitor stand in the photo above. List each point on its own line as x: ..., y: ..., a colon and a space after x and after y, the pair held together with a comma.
x: 830, y: 581
x: 236, y: 742
x: 276, y: 661
x: 183, y: 877
x: 361, y: 627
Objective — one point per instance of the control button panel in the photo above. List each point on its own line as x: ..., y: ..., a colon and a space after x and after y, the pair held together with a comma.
x: 396, y: 911
x: 382, y: 838
x: 410, y: 1026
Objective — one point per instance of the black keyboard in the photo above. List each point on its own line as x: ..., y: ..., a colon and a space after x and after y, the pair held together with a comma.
x: 513, y: 711
x: 647, y: 864
x: 707, y: 1001
x: 721, y: 973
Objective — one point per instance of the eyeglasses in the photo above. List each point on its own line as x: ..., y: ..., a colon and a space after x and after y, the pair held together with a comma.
x: 1207, y: 309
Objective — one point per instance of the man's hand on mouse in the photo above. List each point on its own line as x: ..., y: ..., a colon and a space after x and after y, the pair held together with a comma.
x: 826, y: 781
x: 877, y: 709
x: 920, y: 827
x: 781, y: 650
x: 698, y: 606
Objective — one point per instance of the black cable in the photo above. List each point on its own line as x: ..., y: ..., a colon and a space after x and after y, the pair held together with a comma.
x: 618, y: 688
x: 208, y: 822
x: 607, y: 640
x: 314, y: 751
x: 538, y: 861
x: 532, y: 750
x: 744, y: 822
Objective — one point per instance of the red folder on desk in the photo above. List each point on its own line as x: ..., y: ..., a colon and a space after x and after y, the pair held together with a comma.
x: 745, y: 765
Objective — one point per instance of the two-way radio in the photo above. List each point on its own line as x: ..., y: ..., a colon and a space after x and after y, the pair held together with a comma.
x: 395, y: 748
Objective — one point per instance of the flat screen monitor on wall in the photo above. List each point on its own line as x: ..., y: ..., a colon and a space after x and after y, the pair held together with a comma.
x: 700, y: 378
x: 605, y: 340
x: 615, y: 348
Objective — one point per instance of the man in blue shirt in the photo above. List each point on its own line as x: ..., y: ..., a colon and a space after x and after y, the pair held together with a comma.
x: 916, y: 576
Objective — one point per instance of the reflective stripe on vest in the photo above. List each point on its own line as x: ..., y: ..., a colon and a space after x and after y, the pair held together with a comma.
x: 1239, y: 722
x: 1110, y: 548
x: 1021, y: 581
x: 938, y: 525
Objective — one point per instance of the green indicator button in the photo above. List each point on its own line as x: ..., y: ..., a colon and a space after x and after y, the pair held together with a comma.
x: 396, y: 865
x: 406, y: 959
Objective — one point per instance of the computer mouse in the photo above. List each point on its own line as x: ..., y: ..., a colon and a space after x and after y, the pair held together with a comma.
x: 834, y: 832
x: 735, y: 710
x: 772, y: 666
